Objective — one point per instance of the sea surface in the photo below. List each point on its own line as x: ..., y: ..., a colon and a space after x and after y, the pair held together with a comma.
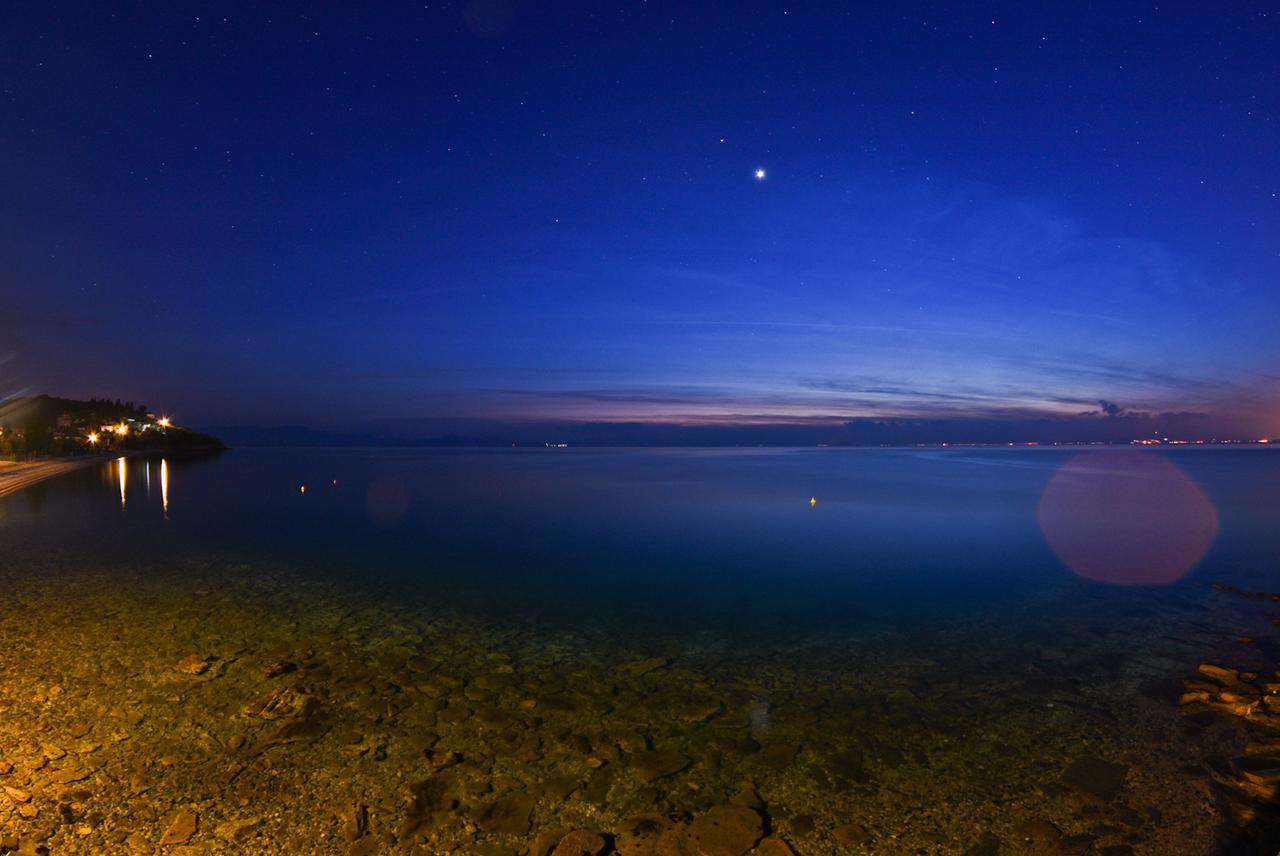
x: 823, y: 650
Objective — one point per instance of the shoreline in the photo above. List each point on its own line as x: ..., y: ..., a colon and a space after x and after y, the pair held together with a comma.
x: 17, y: 476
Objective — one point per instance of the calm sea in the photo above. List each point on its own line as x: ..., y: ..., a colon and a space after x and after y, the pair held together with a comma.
x: 891, y: 650
x: 739, y: 542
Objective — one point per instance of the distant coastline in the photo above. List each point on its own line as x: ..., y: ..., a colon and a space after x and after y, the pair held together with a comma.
x: 649, y: 435
x: 40, y: 427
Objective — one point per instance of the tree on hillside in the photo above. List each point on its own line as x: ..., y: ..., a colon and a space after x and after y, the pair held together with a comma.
x: 37, y: 439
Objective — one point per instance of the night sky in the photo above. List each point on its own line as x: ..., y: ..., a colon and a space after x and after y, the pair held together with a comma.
x: 995, y: 219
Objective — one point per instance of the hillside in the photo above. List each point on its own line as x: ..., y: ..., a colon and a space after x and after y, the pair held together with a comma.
x: 40, y: 425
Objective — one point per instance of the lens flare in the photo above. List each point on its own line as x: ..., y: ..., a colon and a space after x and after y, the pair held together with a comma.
x: 1126, y: 518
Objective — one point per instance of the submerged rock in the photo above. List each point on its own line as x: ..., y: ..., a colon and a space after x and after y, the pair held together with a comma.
x: 729, y: 830
x: 779, y: 755
x: 851, y: 834
x: 653, y: 835
x: 658, y: 763
x: 558, y: 788
x: 802, y: 824
x: 847, y: 767
x: 698, y: 711
x: 644, y: 667
x: 1095, y: 777
x: 354, y: 821
x: 580, y: 842
x: 988, y: 844
x: 1038, y: 831
x: 430, y: 802
x: 276, y: 704
x: 511, y: 814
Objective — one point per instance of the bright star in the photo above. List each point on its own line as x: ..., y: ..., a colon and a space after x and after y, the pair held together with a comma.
x: 760, y: 174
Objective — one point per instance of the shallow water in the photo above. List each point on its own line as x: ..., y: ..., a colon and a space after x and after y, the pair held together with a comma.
x: 853, y: 650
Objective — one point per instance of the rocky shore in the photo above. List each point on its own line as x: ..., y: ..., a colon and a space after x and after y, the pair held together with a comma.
x: 215, y: 707
x: 1248, y: 785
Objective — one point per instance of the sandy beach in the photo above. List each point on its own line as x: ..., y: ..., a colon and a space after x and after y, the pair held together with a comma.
x: 16, y: 476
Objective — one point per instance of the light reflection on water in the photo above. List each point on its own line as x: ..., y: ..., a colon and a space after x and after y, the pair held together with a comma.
x: 122, y: 474
x: 117, y: 472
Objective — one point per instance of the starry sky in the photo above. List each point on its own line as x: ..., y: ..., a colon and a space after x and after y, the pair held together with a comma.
x: 994, y: 219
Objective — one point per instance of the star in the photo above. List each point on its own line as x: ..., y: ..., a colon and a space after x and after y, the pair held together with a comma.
x: 759, y: 173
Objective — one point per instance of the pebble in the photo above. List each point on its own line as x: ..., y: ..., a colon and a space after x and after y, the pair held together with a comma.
x: 180, y: 828
x: 17, y: 795
x: 238, y: 831
x: 193, y: 664
x: 67, y: 775
x: 277, y: 668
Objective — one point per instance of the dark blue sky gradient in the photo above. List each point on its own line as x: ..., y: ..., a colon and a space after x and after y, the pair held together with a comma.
x: 426, y: 217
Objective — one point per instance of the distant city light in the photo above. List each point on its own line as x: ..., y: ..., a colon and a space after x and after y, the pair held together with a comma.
x: 93, y: 438
x: 122, y: 428
x: 164, y: 422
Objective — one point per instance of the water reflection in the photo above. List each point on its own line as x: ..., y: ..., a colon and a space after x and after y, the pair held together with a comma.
x: 115, y: 475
